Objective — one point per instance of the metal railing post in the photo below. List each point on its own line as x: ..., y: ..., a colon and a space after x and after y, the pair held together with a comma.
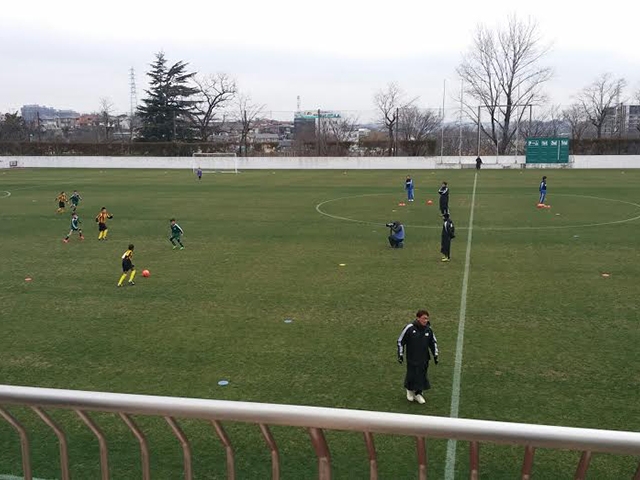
x: 186, y: 448
x: 222, y: 435
x: 144, y: 448
x: 102, y: 442
x: 64, y: 452
x: 273, y: 448
x: 373, y: 461
x: 422, y: 458
x: 474, y: 460
x: 24, y: 442
x: 527, y: 463
x: 322, y: 452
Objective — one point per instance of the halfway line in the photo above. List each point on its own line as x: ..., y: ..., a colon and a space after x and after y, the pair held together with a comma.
x: 449, y: 470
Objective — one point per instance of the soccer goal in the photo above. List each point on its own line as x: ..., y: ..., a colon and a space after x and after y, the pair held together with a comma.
x: 215, y: 162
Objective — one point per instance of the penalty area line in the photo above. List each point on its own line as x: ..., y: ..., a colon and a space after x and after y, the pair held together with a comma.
x: 449, y: 471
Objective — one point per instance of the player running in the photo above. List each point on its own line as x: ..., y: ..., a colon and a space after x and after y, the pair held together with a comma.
x: 75, y: 200
x: 127, y: 266
x: 75, y: 227
x: 176, y: 233
x: 62, y: 200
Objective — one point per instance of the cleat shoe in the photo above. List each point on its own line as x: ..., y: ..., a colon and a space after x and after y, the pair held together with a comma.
x: 181, y: 248
x: 174, y: 247
x: 65, y: 240
x: 410, y: 396
x: 82, y: 238
x: 420, y: 399
x: 131, y: 283
x: 445, y: 259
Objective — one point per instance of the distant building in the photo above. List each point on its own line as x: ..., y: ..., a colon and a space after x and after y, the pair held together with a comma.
x: 30, y: 113
x: 304, y: 129
x: 622, y: 120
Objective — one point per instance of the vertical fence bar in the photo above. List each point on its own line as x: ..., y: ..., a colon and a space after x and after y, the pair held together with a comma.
x: 273, y: 447
x: 144, y: 448
x: 322, y: 452
x: 184, y: 442
x: 373, y: 460
x: 583, y: 466
x: 422, y: 458
x: 527, y: 463
x: 474, y: 460
x: 222, y: 435
x: 24, y: 442
x: 102, y: 442
x: 64, y: 452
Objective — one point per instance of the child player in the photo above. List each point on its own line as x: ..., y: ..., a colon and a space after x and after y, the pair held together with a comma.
x: 176, y: 233
x: 101, y: 218
x: 75, y: 200
x: 127, y: 266
x: 61, y: 199
x: 75, y: 227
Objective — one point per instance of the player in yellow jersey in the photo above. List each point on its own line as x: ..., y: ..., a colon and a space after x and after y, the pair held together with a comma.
x: 61, y: 199
x: 127, y: 266
x: 101, y: 218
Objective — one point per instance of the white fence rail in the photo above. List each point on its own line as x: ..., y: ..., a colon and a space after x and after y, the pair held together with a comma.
x: 314, y: 419
x: 313, y: 163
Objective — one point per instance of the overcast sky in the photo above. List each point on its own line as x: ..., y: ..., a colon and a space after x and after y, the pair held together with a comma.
x: 333, y: 53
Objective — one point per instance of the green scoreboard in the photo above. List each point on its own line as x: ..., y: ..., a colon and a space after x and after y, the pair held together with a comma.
x: 547, y: 150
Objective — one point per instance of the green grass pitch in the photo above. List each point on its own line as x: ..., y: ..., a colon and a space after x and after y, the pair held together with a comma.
x: 548, y: 339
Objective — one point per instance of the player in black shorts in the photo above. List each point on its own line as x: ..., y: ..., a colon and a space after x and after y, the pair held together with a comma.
x: 127, y: 266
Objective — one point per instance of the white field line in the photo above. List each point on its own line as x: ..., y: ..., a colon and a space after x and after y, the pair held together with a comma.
x: 449, y: 471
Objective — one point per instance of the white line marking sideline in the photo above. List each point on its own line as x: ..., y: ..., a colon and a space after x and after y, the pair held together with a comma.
x: 449, y: 471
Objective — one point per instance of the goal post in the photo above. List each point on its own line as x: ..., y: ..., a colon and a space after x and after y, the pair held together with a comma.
x: 215, y: 162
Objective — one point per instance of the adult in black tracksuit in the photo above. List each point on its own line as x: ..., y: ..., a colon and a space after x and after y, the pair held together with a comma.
x: 448, y: 232
x: 415, y: 342
x: 444, y: 198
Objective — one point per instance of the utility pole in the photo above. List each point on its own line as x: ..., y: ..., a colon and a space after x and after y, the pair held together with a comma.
x: 133, y: 99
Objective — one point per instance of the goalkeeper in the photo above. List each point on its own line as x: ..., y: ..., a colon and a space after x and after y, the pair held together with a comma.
x: 176, y: 233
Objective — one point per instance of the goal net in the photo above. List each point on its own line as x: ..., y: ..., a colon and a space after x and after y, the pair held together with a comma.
x: 215, y: 162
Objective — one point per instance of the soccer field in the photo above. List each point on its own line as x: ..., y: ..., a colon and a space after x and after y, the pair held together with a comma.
x: 548, y: 339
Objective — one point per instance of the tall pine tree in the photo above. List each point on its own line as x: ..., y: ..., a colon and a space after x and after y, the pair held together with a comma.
x: 164, y: 115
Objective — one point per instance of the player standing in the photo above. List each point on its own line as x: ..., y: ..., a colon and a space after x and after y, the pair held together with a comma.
x: 101, y: 218
x: 408, y: 186
x: 543, y: 190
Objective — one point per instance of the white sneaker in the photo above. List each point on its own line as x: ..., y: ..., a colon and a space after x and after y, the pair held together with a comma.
x: 410, y: 396
x: 420, y: 399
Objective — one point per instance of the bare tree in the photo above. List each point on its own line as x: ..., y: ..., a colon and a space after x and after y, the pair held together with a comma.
x: 599, y: 100
x: 247, y: 113
x: 548, y: 123
x: 577, y: 119
x: 106, y: 114
x: 213, y: 93
x: 389, y: 102
x: 335, y: 135
x: 501, y: 71
x: 415, y: 127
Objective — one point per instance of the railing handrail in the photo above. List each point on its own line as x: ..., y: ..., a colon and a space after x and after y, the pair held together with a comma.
x: 547, y: 436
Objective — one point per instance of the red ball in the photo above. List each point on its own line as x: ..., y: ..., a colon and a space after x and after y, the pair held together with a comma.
x: 146, y: 273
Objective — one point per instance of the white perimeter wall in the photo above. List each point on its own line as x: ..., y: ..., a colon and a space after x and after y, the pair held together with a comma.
x: 321, y: 163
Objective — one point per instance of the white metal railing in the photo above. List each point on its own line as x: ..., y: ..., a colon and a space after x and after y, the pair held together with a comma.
x: 314, y: 419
